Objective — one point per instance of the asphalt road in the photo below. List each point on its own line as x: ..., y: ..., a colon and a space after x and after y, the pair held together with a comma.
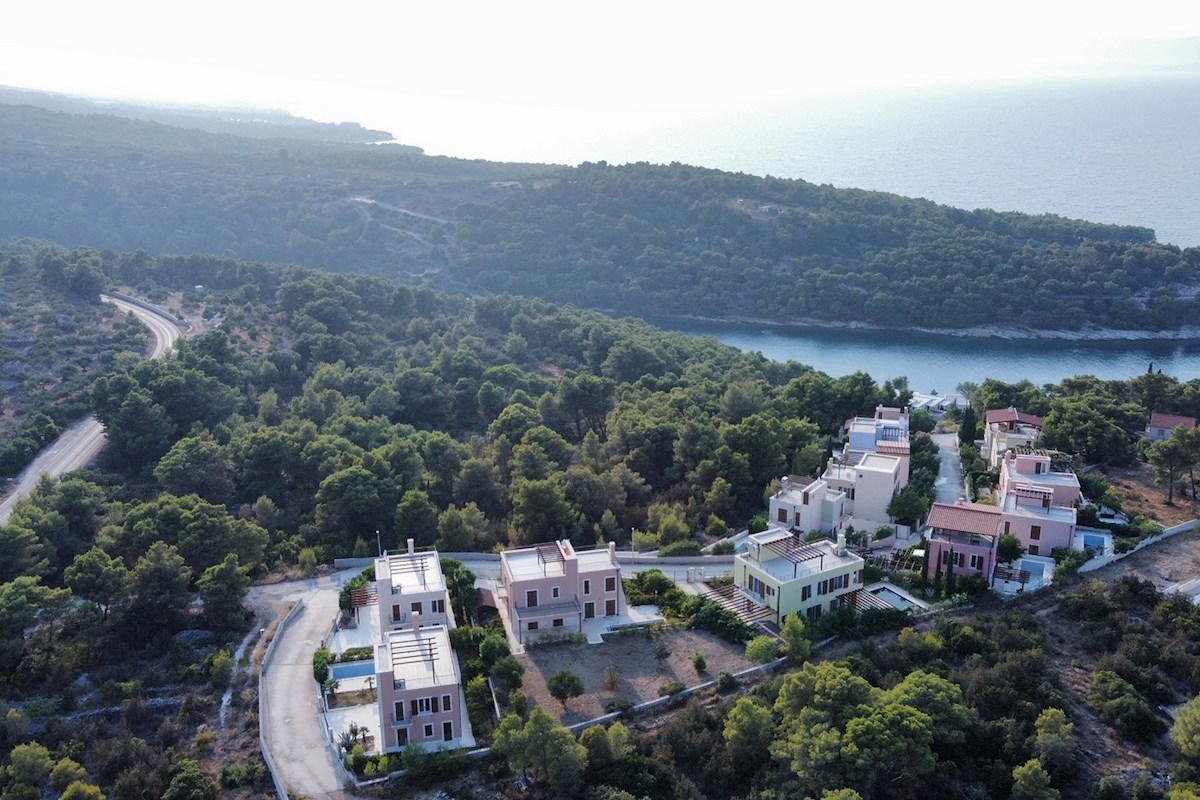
x: 291, y: 719
x: 949, y: 484
x: 79, y: 444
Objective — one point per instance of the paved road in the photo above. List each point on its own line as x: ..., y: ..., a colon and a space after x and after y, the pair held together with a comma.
x: 80, y: 443
x: 291, y: 720
x: 949, y: 483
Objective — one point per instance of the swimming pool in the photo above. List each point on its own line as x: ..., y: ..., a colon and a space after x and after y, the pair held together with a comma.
x: 894, y: 599
x: 352, y: 669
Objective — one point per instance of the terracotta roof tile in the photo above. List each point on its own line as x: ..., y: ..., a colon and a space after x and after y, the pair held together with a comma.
x: 965, y: 517
x: 1171, y: 421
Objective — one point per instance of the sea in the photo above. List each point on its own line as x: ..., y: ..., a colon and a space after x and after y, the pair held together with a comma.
x: 1124, y: 151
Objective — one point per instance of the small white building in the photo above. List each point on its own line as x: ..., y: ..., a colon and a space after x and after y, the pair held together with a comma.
x: 807, y: 504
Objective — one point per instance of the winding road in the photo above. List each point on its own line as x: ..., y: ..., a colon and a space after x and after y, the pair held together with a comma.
x: 83, y: 441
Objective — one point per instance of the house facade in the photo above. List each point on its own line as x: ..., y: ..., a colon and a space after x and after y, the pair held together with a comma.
x: 807, y: 504
x: 410, y: 585
x: 965, y: 534
x: 869, y: 482
x: 552, y: 588
x: 1008, y: 428
x: 419, y: 690
x: 782, y: 572
x: 1161, y: 425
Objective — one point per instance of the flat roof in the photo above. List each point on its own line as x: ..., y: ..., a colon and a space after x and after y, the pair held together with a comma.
x: 420, y: 658
x: 1055, y: 513
x: 809, y: 558
x: 411, y: 572
x: 595, y: 560
x: 879, y: 462
x: 548, y: 560
x: 536, y: 562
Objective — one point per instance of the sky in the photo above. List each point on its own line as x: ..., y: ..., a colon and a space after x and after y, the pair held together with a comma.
x: 446, y: 75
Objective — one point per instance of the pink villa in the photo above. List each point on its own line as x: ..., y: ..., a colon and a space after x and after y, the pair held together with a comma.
x: 419, y: 690
x: 968, y: 532
x: 552, y: 588
x: 410, y: 585
x: 1035, y: 503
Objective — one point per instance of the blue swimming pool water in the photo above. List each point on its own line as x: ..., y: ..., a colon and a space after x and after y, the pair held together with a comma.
x: 352, y: 669
x: 893, y: 598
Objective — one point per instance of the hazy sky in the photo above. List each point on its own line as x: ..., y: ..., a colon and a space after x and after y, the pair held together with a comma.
x: 452, y: 71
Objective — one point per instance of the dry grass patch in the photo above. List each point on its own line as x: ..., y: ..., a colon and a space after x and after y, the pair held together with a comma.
x: 625, y: 668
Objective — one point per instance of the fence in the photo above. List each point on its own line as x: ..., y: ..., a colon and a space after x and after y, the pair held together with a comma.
x: 151, y: 308
x: 263, y: 705
x: 1104, y: 561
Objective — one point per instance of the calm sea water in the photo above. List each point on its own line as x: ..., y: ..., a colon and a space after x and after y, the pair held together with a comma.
x: 1119, y: 151
x: 935, y: 363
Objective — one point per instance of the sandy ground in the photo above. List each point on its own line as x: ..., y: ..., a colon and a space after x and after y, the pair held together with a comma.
x: 639, y: 676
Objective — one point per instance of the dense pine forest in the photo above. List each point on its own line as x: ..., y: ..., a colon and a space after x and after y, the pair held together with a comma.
x: 326, y: 406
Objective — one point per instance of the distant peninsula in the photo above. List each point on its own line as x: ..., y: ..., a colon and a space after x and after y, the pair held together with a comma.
x: 638, y: 239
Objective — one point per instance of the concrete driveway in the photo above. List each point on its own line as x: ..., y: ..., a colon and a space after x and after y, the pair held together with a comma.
x: 291, y: 719
x: 949, y: 484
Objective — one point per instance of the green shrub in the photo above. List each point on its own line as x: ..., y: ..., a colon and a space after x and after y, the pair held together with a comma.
x: 320, y: 664
x: 1120, y: 705
x: 618, y: 705
x: 684, y: 547
x: 723, y: 548
x: 356, y: 654
x: 724, y: 623
x: 726, y: 683
x: 670, y: 688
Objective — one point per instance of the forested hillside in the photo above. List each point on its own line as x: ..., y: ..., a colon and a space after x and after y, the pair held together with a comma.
x: 687, y: 241
x: 327, y: 407
x: 637, y: 239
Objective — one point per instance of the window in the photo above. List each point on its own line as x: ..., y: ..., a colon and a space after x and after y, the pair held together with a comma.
x: 976, y: 561
x: 447, y: 731
x: 445, y: 702
x: 396, y: 616
x: 437, y: 606
x: 402, y: 737
x: 416, y: 607
x: 610, y: 584
x: 1007, y: 526
x: 556, y: 624
x: 783, y: 515
x: 429, y: 731
x: 945, y: 557
x: 805, y: 593
x: 533, y: 625
x: 554, y: 592
x: 424, y: 705
x: 399, y: 711
x: 813, y: 613
x: 1033, y: 549
x: 587, y: 586
x: 1035, y: 532
x: 804, y: 497
x: 531, y: 598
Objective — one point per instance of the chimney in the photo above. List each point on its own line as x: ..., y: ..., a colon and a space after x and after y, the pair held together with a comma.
x: 612, y: 552
x: 841, y: 543
x: 416, y: 617
x: 411, y: 547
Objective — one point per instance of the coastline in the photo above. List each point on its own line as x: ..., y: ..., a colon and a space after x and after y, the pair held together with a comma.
x: 1185, y: 333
